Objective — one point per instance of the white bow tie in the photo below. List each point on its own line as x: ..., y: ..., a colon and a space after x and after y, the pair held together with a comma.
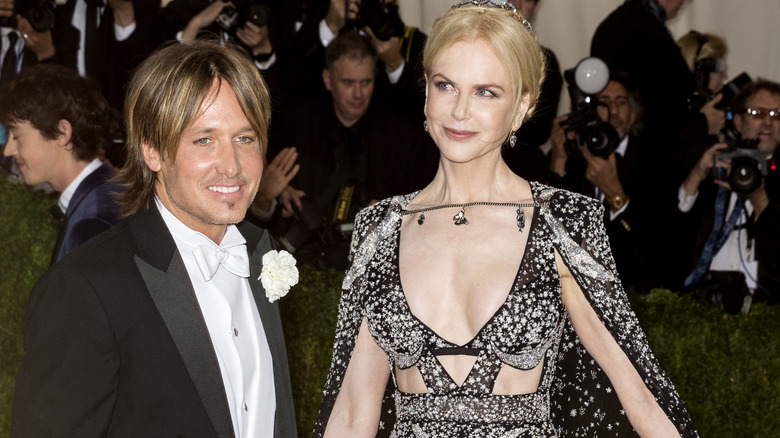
x: 234, y: 259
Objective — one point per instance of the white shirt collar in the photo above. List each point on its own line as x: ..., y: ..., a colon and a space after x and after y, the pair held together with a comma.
x: 622, y: 146
x: 69, y: 191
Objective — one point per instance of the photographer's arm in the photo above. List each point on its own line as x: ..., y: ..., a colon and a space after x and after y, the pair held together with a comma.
x: 715, y: 118
x: 39, y: 42
x: 204, y: 19
x: 701, y: 171
x: 603, y: 174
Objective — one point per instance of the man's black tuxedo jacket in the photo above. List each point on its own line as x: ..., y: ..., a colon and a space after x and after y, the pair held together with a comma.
x: 116, y: 344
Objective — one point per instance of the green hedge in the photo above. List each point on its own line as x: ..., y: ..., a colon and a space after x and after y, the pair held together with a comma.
x: 726, y: 367
x: 28, y: 233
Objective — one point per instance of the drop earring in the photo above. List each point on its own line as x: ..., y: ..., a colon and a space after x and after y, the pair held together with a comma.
x: 512, y: 140
x: 425, y: 125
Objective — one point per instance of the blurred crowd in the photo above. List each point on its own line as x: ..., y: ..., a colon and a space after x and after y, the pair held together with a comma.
x: 685, y: 166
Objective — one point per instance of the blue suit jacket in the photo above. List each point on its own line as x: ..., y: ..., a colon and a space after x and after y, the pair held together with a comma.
x: 92, y: 210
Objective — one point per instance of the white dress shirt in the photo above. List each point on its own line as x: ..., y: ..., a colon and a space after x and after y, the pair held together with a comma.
x: 236, y: 331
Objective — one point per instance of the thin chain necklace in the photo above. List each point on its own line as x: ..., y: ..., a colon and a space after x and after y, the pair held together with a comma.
x: 460, y: 218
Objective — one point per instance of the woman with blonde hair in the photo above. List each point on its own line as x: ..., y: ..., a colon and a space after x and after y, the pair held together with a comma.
x: 492, y: 302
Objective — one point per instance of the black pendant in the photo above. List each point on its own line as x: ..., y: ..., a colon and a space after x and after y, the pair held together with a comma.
x: 520, y: 219
x: 421, y: 219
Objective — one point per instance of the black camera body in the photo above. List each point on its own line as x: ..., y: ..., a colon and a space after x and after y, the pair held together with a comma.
x: 729, y: 91
x: 40, y: 14
x: 230, y: 19
x: 598, y: 136
x: 748, y: 165
x: 382, y: 18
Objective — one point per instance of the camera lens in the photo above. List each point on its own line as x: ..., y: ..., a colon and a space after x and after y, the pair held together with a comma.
x: 745, y: 177
x: 41, y: 17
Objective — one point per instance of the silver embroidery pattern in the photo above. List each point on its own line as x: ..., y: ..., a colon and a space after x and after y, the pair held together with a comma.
x: 574, y: 397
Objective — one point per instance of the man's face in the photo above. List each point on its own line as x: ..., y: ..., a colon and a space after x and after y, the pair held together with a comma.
x: 765, y: 129
x: 351, y: 83
x: 217, y: 169
x: 39, y: 159
x: 617, y: 110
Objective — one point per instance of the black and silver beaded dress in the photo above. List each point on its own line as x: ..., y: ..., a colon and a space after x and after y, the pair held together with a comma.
x: 574, y: 396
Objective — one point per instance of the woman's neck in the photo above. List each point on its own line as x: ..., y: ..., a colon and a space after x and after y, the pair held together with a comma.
x: 476, y: 181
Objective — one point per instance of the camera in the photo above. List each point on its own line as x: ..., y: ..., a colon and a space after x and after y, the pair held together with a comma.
x: 727, y: 288
x: 748, y: 165
x: 230, y: 19
x: 588, y: 78
x: 729, y: 90
x: 40, y: 14
x: 383, y: 19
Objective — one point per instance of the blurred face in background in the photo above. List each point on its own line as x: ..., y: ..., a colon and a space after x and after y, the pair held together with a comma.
x: 351, y: 83
x: 616, y: 108
x: 761, y: 127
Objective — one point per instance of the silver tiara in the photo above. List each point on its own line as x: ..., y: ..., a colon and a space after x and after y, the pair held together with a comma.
x: 503, y: 5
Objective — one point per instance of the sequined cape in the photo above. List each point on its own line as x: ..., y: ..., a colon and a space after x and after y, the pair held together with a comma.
x: 582, y: 401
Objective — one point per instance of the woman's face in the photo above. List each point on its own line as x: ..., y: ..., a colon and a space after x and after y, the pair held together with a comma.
x: 469, y: 102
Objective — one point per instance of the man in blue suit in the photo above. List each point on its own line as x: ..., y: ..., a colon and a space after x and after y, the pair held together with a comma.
x: 57, y: 123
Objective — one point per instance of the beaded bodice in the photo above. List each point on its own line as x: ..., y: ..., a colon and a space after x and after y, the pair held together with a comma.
x: 519, y: 334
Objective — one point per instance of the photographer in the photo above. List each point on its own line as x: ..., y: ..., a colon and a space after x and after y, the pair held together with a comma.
x: 249, y: 23
x: 348, y: 150
x: 737, y: 246
x: 398, y: 48
x: 25, y: 44
x: 622, y: 180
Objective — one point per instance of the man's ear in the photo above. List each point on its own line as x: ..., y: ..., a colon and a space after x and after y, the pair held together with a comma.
x: 525, y: 102
x: 152, y: 157
x: 326, y: 78
x: 65, y: 132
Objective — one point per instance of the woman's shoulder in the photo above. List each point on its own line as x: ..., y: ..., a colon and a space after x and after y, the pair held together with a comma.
x: 378, y: 210
x: 565, y: 202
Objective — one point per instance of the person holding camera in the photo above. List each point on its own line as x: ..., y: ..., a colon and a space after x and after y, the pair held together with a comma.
x: 25, y: 43
x: 737, y: 247
x: 620, y: 179
x: 248, y: 23
x: 398, y: 48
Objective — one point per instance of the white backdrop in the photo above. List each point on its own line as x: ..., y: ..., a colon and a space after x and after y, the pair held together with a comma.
x: 751, y: 28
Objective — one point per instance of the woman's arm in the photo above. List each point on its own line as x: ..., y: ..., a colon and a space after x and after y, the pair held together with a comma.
x: 357, y: 408
x: 644, y: 413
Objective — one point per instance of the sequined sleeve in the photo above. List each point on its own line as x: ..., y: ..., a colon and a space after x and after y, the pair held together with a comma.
x: 350, y: 311
x: 584, y: 403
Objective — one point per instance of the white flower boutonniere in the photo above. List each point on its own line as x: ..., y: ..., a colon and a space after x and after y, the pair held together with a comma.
x: 279, y: 274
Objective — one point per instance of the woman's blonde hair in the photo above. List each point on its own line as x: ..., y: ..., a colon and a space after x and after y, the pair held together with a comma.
x: 515, y: 46
x: 696, y: 46
x: 164, y: 98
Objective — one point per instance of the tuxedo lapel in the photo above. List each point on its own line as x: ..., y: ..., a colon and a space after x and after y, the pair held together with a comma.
x: 165, y: 275
x: 259, y: 243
